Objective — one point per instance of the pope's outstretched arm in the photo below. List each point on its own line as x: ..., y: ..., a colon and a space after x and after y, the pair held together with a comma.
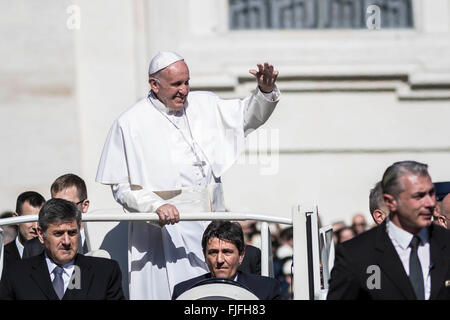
x: 260, y: 105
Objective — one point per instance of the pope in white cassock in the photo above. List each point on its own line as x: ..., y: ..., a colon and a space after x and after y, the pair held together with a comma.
x: 166, y: 154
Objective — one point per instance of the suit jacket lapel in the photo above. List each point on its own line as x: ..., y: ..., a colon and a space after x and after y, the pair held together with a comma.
x: 390, y: 262
x: 83, y: 268
x: 41, y: 276
x: 438, y: 261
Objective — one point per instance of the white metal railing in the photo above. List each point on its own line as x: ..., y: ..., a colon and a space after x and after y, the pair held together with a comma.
x: 302, y: 274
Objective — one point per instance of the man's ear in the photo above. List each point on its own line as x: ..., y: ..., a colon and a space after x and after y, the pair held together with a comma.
x: 378, y: 216
x: 442, y: 221
x: 154, y: 85
x: 85, y: 206
x: 390, y: 202
x: 40, y: 234
x: 241, y: 257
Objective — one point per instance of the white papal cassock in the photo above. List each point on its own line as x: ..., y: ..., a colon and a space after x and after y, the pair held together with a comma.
x: 151, y: 148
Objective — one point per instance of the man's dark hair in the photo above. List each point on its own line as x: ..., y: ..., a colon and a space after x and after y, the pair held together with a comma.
x: 391, y: 182
x: 69, y: 180
x: 56, y: 211
x: 33, y: 198
x: 225, y: 230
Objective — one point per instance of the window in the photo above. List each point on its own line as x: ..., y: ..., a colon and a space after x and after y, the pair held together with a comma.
x: 316, y: 14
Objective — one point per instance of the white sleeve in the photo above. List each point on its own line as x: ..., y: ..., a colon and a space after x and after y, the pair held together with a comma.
x: 258, y: 108
x: 141, y: 200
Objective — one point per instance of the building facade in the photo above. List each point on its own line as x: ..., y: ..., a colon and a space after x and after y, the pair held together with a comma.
x: 364, y: 84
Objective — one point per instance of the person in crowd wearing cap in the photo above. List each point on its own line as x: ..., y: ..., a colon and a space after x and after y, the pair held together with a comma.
x: 166, y: 154
x: 377, y: 206
x: 442, y: 212
x: 406, y: 256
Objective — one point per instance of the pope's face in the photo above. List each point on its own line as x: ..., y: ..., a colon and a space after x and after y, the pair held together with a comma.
x: 223, y: 258
x: 60, y: 241
x: 172, y: 86
x: 413, y: 209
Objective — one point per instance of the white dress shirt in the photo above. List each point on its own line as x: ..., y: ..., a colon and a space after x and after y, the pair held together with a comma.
x: 401, y: 240
x: 83, y: 236
x: 67, y: 274
x: 19, y: 247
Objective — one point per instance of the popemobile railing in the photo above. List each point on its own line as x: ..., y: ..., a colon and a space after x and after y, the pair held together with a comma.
x: 306, y: 255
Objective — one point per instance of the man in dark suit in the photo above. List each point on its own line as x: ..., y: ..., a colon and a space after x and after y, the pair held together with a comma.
x: 60, y: 272
x: 406, y: 257
x: 28, y: 203
x: 72, y: 188
x: 223, y: 247
x: 252, y: 260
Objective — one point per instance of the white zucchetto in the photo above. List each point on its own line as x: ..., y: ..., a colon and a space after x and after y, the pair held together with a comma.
x: 163, y: 59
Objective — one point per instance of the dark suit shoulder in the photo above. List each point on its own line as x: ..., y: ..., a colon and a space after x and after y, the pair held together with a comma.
x: 257, y: 278
x: 32, y: 247
x: 183, y: 286
x: 24, y: 264
x: 361, y: 240
x: 96, y: 262
x: 363, y: 245
x: 11, y: 252
x: 440, y: 232
x: 252, y: 260
x: 10, y: 247
x: 265, y: 288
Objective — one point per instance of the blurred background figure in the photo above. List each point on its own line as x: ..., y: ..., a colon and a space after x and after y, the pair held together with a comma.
x: 9, y: 232
x: 249, y: 228
x: 359, y: 223
x: 282, y: 261
x: 378, y: 208
x: 337, y: 226
x: 442, y: 209
x: 344, y: 234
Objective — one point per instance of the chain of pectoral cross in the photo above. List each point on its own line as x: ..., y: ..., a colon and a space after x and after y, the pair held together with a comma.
x: 199, y: 163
